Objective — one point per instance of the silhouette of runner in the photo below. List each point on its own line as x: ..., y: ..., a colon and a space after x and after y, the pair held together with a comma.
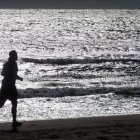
x: 8, y: 89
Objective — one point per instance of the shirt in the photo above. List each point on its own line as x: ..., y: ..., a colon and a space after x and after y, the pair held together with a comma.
x: 9, y: 72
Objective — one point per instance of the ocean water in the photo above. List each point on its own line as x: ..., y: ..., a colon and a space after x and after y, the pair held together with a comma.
x: 75, y: 63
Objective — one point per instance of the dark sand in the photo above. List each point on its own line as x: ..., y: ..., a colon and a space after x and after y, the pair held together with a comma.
x: 96, y: 128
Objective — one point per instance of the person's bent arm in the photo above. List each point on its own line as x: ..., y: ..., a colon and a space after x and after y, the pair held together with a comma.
x: 19, y: 78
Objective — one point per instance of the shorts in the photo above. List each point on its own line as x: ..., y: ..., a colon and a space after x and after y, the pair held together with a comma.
x: 8, y: 92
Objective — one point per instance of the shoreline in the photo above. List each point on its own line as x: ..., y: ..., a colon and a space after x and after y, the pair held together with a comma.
x: 118, y: 127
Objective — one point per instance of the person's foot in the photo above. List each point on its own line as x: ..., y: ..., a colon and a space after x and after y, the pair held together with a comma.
x: 16, y: 124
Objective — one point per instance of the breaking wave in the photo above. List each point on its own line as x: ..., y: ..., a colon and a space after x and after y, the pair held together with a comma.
x: 62, y: 92
x: 62, y: 61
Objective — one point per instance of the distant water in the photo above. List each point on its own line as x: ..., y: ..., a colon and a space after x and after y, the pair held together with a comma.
x: 74, y: 53
x: 76, y: 50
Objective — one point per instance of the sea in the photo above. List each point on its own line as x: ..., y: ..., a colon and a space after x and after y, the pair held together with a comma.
x: 75, y: 63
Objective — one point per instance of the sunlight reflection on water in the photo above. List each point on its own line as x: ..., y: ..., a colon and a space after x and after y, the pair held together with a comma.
x: 57, y: 50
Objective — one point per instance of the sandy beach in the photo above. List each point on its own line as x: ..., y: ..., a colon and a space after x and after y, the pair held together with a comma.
x: 126, y: 127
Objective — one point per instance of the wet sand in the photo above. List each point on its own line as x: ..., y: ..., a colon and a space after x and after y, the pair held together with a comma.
x: 126, y: 127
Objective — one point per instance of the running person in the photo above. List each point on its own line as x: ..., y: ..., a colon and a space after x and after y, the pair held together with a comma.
x: 8, y: 89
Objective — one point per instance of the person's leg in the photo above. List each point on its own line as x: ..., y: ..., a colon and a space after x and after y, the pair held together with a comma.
x: 3, y: 96
x: 2, y: 100
x: 14, y: 109
x: 14, y: 113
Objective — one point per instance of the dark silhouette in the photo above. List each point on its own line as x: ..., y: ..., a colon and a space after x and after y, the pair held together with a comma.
x: 8, y: 89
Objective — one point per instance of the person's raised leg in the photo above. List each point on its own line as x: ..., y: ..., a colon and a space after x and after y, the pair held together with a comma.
x: 2, y: 101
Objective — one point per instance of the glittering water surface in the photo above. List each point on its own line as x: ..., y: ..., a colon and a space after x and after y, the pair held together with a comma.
x: 64, y: 53
x: 72, y: 107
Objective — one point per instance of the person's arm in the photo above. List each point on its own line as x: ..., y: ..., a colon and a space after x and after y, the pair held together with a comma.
x: 19, y: 78
x: 4, y: 70
x: 16, y: 75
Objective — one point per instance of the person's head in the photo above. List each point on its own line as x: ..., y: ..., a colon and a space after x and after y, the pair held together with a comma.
x: 13, y: 55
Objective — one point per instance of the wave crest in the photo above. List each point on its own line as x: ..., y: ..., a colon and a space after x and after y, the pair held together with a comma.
x: 62, y: 61
x: 62, y: 92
